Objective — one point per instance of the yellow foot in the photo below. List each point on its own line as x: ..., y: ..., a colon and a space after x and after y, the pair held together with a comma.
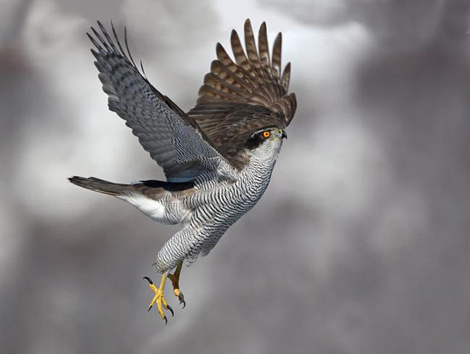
x: 159, y: 298
x: 175, y: 281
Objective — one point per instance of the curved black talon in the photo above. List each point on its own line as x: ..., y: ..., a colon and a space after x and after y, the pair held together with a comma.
x: 181, y: 299
x: 149, y: 280
x: 171, y: 310
x: 166, y: 321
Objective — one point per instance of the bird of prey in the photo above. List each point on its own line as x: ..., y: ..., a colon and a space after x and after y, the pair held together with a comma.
x: 217, y: 158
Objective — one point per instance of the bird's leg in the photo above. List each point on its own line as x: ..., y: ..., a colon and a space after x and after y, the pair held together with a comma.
x: 159, y: 297
x: 175, y: 280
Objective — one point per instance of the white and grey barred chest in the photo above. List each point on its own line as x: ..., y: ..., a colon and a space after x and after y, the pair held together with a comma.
x: 216, y: 206
x: 213, y: 208
x: 218, y: 202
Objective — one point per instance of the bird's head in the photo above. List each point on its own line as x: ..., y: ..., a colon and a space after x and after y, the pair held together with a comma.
x: 266, y: 142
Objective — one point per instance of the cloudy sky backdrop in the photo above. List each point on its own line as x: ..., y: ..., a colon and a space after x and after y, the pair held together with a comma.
x: 361, y: 243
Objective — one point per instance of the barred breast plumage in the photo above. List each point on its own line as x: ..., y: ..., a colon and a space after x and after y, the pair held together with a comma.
x: 214, y: 208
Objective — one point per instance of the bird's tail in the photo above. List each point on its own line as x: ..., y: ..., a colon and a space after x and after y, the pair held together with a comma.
x: 101, y: 186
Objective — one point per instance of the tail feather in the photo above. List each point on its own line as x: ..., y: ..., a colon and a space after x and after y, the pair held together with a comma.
x: 101, y: 186
x: 151, y: 188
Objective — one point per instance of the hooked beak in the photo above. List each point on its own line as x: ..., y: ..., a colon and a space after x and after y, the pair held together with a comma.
x: 283, y: 134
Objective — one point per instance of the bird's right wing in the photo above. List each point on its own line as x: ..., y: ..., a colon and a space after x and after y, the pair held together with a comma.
x: 243, y: 95
x: 173, y: 139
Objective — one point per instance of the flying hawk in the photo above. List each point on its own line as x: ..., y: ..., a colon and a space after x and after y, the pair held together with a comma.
x: 217, y: 158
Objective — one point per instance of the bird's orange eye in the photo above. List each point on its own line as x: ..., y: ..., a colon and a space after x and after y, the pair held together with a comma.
x: 266, y: 135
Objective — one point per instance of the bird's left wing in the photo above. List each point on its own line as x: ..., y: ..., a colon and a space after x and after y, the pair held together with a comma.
x: 173, y: 139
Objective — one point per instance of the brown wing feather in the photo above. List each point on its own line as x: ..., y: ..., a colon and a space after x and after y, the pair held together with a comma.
x: 244, y: 95
x: 264, y: 49
x: 277, y: 56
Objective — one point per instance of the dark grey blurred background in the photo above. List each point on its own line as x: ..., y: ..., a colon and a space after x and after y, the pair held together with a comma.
x: 360, y: 245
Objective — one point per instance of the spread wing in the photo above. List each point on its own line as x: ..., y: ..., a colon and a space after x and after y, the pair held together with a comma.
x: 173, y: 139
x: 242, y: 96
